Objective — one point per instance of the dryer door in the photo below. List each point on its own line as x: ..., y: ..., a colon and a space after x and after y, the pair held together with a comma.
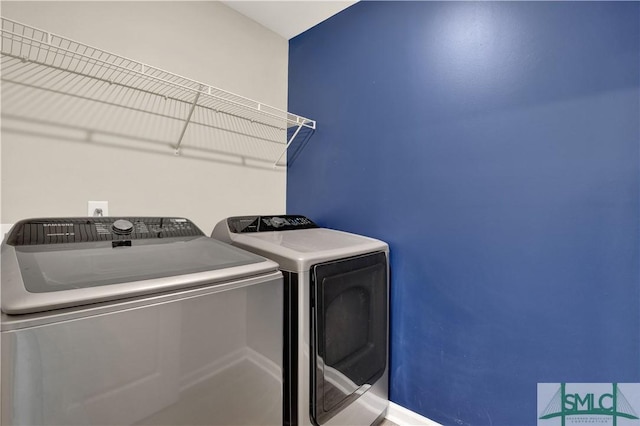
x: 349, y: 331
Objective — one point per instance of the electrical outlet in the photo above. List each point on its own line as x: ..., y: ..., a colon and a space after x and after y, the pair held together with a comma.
x: 98, y: 208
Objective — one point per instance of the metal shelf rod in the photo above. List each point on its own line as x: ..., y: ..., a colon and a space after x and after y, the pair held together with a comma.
x: 305, y: 121
x: 293, y: 137
x: 186, y: 123
x: 150, y: 92
x: 37, y: 59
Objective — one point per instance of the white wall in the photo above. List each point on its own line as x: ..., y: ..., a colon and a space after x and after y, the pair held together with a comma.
x: 53, y: 172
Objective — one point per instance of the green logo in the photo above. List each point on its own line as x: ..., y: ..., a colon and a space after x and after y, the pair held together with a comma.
x: 585, y: 403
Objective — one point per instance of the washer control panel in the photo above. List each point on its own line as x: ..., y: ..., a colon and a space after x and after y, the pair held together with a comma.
x: 242, y: 224
x: 122, y: 227
x: 91, y: 229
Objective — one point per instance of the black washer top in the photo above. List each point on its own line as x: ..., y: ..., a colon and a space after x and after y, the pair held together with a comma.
x: 91, y: 229
x: 243, y: 224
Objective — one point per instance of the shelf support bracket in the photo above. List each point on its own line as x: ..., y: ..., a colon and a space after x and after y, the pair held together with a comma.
x: 186, y: 123
x: 293, y: 137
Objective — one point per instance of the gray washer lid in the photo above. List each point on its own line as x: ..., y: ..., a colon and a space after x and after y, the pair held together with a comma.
x: 299, y: 250
x: 45, y: 277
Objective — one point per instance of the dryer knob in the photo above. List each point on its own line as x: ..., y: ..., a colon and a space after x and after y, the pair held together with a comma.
x: 122, y: 226
x: 277, y: 222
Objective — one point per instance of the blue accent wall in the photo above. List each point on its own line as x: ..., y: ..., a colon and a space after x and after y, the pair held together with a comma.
x: 495, y: 146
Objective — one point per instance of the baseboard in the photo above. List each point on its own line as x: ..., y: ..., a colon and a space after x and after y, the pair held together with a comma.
x: 404, y: 417
x: 242, y: 354
x: 209, y: 370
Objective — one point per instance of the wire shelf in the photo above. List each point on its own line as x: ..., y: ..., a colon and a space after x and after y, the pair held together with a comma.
x: 44, y: 75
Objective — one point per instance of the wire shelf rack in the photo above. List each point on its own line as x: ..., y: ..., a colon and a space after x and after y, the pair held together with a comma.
x: 55, y: 79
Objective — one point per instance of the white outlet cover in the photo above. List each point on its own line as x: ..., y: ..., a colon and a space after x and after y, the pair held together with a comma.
x: 96, y: 206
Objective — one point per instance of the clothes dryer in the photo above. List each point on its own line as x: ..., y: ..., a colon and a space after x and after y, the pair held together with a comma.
x: 336, y: 316
x: 146, y: 321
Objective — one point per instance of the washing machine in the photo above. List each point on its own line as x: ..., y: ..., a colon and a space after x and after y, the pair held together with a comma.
x: 336, y: 316
x: 137, y: 320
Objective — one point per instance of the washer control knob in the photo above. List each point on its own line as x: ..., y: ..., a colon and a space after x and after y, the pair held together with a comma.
x: 122, y: 227
x: 278, y: 222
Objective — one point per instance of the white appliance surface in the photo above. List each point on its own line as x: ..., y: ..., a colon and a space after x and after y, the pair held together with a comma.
x: 298, y: 250
x: 193, y: 338
x: 298, y: 246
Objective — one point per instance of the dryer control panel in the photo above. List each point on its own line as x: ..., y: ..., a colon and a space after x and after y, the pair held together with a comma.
x: 242, y: 224
x: 92, y: 229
